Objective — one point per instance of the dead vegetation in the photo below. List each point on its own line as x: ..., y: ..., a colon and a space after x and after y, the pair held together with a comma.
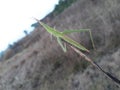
x: 40, y: 63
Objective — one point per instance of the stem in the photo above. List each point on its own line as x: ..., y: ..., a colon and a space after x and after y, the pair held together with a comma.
x: 117, y: 81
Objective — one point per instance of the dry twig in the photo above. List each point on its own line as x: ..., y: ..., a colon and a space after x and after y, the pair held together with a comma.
x: 117, y: 81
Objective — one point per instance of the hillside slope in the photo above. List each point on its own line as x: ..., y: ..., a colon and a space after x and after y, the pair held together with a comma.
x: 40, y: 64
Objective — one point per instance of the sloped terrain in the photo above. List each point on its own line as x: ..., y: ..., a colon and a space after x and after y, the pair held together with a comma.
x: 40, y: 64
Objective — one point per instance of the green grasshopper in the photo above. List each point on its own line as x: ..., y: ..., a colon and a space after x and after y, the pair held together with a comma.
x: 62, y: 36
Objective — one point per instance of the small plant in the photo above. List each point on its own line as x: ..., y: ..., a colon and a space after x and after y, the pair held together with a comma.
x: 25, y: 32
x: 80, y: 66
x: 61, y: 6
x: 10, y: 46
x: 56, y: 65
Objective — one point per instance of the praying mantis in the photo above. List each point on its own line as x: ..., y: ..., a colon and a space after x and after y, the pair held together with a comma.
x: 61, y: 36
